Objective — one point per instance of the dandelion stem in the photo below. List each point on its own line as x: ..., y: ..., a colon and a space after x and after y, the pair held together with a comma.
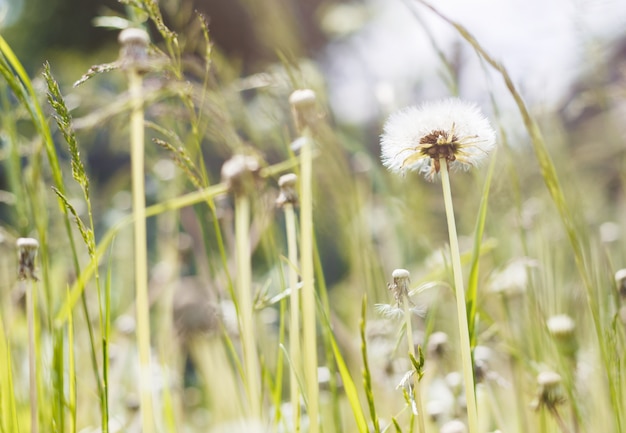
x: 32, y: 356
x: 141, y: 259
x: 244, y: 284
x: 308, y: 285
x: 466, y: 354
x: 294, y: 319
x: 417, y: 393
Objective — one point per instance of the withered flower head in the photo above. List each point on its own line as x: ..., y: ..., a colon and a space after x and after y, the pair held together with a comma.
x: 134, y: 47
x: 418, y: 138
x: 288, y: 190
x: 303, y: 108
x: 241, y: 173
x: 26, y: 254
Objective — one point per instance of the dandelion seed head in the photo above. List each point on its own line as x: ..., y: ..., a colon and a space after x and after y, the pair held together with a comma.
x: 417, y: 138
x: 550, y: 392
x: 561, y: 326
x: 134, y: 48
x: 26, y: 255
x: 240, y: 173
x: 288, y: 192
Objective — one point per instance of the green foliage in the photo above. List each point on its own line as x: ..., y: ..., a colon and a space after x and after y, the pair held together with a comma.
x: 200, y: 110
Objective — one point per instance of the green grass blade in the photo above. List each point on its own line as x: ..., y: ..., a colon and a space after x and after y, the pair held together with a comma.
x: 367, y: 377
x: 479, y: 230
x: 348, y: 384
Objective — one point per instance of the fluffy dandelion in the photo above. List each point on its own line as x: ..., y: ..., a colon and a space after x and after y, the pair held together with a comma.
x: 434, y: 138
x: 418, y: 138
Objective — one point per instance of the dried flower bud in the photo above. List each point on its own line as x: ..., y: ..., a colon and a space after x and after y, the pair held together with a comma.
x: 400, y: 285
x: 26, y: 254
x: 288, y: 190
x: 303, y: 108
x: 454, y: 426
x: 134, y: 48
x: 240, y: 173
x: 550, y: 393
x: 620, y: 281
x: 561, y: 328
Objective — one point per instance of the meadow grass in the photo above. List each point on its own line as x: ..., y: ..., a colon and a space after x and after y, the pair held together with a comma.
x: 204, y: 306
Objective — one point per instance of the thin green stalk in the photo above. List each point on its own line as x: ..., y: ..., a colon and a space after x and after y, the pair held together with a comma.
x: 466, y: 353
x: 367, y: 376
x: 308, y: 285
x: 71, y: 372
x: 31, y: 302
x: 246, y: 312
x: 141, y: 259
x: 417, y: 392
x: 294, y: 317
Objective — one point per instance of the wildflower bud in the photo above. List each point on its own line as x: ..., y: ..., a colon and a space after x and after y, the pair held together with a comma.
x: 288, y: 192
x: 561, y: 328
x: 240, y: 173
x: 550, y: 393
x: 620, y: 281
x: 454, y: 426
x: 437, y: 345
x: 134, y: 48
x: 303, y: 108
x: 400, y: 285
x: 26, y: 254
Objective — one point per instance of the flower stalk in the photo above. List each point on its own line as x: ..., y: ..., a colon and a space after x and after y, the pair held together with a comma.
x: 27, y: 253
x: 134, y: 46
x: 303, y: 108
x: 287, y: 200
x: 466, y: 352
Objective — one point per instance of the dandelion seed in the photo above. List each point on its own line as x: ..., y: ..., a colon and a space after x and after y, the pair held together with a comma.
x: 26, y: 254
x: 418, y: 138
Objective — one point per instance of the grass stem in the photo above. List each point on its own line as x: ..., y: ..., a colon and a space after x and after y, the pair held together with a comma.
x: 417, y: 392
